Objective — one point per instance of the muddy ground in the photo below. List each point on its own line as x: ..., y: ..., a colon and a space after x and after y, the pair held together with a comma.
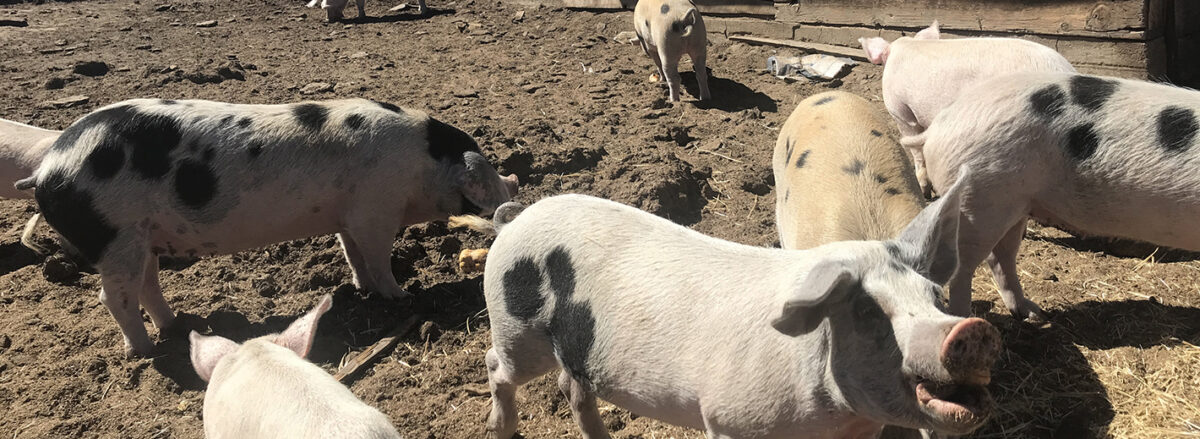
x: 553, y: 98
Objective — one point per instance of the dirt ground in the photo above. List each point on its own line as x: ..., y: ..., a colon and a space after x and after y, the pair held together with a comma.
x: 553, y: 98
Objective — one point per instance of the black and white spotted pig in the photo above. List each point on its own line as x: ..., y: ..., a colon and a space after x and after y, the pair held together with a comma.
x: 1101, y: 156
x: 738, y: 341
x: 146, y: 177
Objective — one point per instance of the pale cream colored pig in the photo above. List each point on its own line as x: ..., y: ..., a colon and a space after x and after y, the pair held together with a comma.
x: 668, y: 29
x: 839, y: 176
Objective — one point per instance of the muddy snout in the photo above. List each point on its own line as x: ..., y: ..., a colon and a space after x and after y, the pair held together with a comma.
x: 970, y: 350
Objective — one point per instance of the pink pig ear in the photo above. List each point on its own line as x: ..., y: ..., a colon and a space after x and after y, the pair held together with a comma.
x: 877, y: 49
x: 299, y: 335
x: 933, y: 32
x: 207, y: 351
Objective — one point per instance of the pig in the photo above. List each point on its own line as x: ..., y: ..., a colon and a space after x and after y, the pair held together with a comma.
x: 1092, y: 155
x: 667, y: 29
x: 264, y: 388
x: 145, y: 177
x: 335, y: 8
x: 838, y: 176
x: 21, y: 149
x: 927, y: 73
x: 738, y: 341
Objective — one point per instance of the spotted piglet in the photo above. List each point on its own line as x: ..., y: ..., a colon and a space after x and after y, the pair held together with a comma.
x: 738, y: 341
x: 264, y: 388
x: 838, y: 176
x: 667, y: 29
x: 1100, y: 156
x: 141, y: 178
x: 923, y: 74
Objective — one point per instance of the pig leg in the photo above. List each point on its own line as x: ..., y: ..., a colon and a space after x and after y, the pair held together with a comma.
x: 362, y: 11
x: 505, y: 374
x: 670, y: 70
x: 912, y: 139
x: 977, y: 236
x: 1003, y: 261
x: 355, y: 258
x: 151, y: 296
x: 583, y: 407
x: 700, y: 65
x: 373, y: 238
x: 122, y: 277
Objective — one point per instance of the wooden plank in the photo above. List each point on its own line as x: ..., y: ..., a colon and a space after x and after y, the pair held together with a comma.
x: 592, y: 4
x: 809, y: 47
x: 1093, y: 18
x: 736, y: 7
x: 749, y: 26
x: 384, y: 344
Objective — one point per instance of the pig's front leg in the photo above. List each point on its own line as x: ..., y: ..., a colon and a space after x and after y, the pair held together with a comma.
x: 367, y: 241
x: 1003, y: 261
x: 362, y: 11
x: 421, y: 8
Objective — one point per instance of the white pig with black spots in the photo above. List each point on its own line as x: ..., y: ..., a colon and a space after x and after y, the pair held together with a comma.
x: 1094, y: 155
x: 734, y: 340
x: 146, y: 177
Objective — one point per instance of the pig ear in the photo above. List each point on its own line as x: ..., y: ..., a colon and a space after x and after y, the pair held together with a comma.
x: 933, y: 32
x: 689, y: 21
x: 299, y: 335
x: 877, y: 49
x: 802, y: 310
x: 933, y: 234
x: 207, y: 351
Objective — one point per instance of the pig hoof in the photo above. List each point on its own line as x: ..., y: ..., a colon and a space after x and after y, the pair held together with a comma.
x: 1029, y: 312
x: 133, y: 353
x: 396, y: 294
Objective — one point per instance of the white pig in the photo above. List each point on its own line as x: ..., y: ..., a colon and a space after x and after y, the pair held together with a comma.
x: 1100, y: 156
x: 737, y: 341
x: 334, y: 9
x: 838, y: 177
x: 667, y: 29
x: 21, y: 150
x: 264, y: 388
x: 923, y: 74
x: 145, y: 177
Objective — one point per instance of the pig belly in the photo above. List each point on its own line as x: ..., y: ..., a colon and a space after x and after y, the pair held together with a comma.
x: 244, y: 228
x: 1165, y: 221
x: 665, y: 408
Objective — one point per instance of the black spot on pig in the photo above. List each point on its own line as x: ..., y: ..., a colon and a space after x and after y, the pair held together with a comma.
x: 678, y: 27
x: 561, y: 272
x: 354, y: 121
x: 446, y: 141
x: 573, y: 331
x: 665, y: 9
x: 71, y: 212
x: 167, y: 101
x: 1091, y: 92
x: 894, y: 250
x: 389, y: 107
x: 1082, y: 142
x: 152, y: 137
x: 876, y: 133
x: 1048, y: 101
x: 892, y: 191
x: 854, y: 168
x: 244, y: 122
x: 788, y: 156
x: 225, y: 121
x: 195, y: 183
x: 871, y: 322
x: 880, y: 179
x: 310, y: 116
x: 823, y: 101
x: 522, y: 290
x: 1177, y: 128
x: 209, y: 153
x: 106, y: 160
x: 254, y: 150
x: 803, y: 157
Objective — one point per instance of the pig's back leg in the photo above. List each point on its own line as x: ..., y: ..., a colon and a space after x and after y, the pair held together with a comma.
x: 122, y: 277
x: 151, y: 296
x: 421, y: 8
x: 1003, y: 261
x: 583, y: 407
x: 512, y: 362
x: 362, y: 10
x: 371, y: 231
x: 912, y: 140
x: 670, y: 68
x: 989, y: 217
x: 357, y: 264
x: 700, y: 65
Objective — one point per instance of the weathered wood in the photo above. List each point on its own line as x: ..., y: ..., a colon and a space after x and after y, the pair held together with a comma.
x: 738, y: 7
x: 1105, y: 18
x: 749, y: 26
x: 808, y: 47
x: 384, y: 344
x: 593, y: 4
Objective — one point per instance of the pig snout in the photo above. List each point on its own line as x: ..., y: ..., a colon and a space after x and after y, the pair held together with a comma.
x: 510, y: 184
x: 969, y: 351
